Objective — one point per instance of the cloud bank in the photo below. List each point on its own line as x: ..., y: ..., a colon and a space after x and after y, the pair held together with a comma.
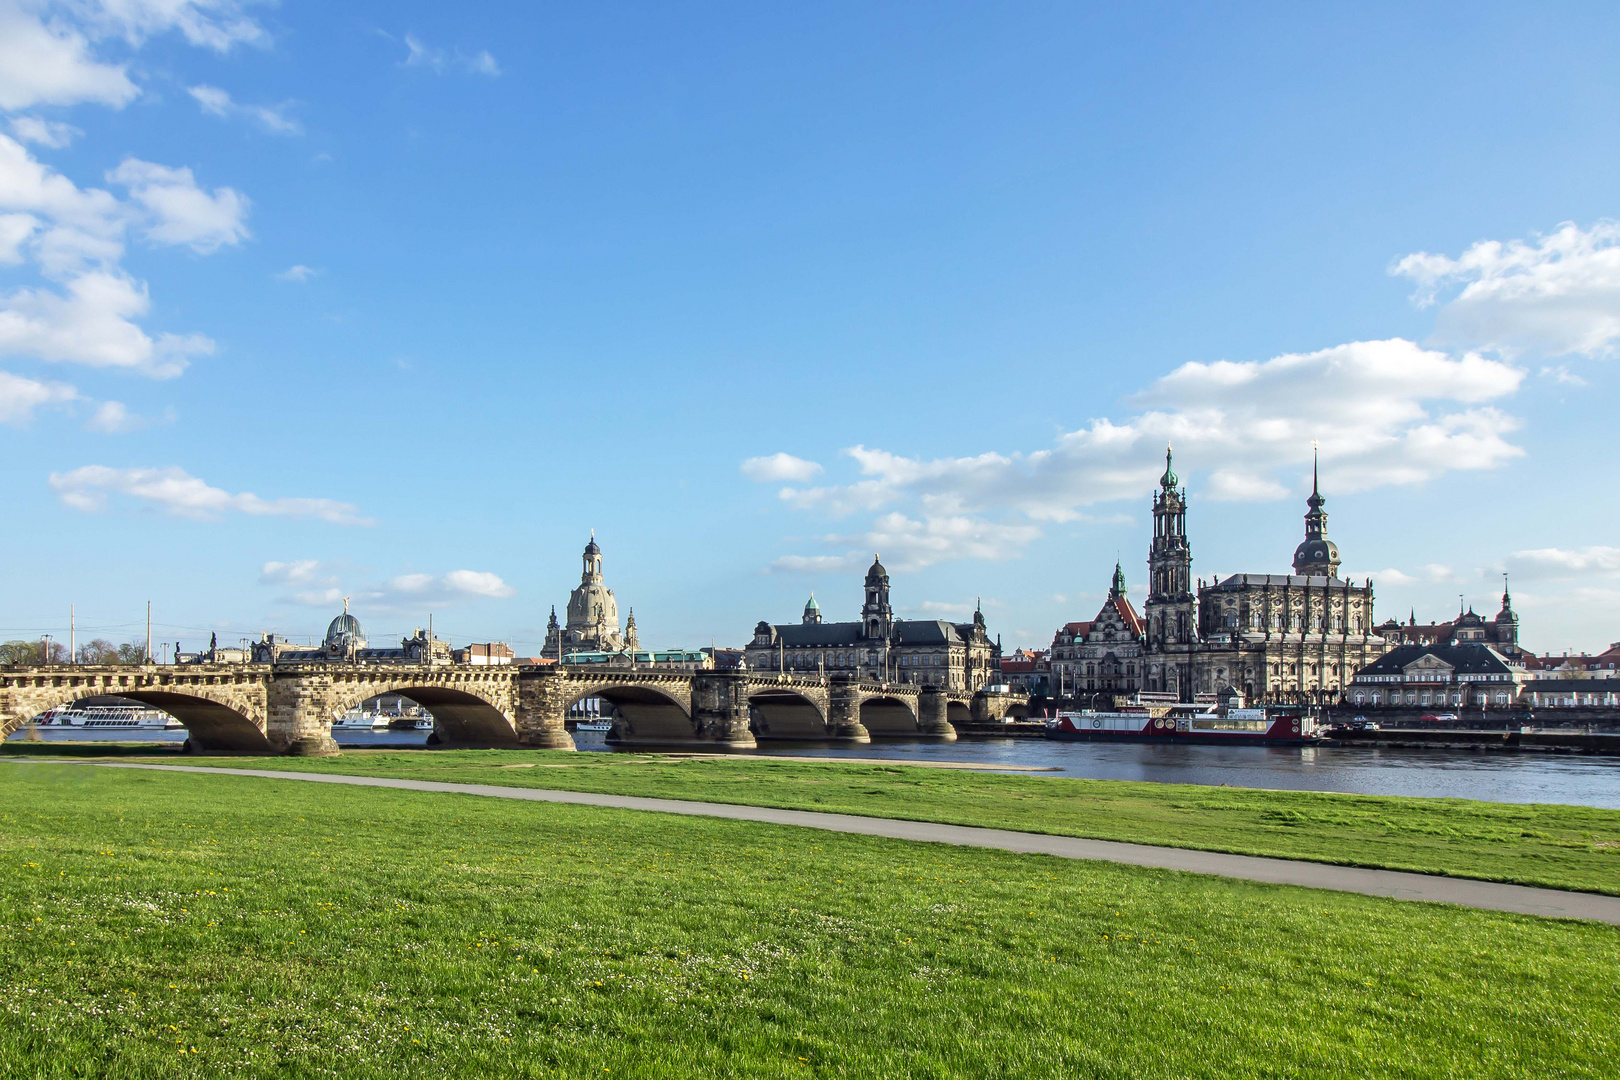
x: 174, y: 491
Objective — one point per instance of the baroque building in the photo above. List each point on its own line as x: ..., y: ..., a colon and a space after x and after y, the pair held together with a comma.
x: 878, y: 647
x: 593, y: 614
x: 345, y: 643
x: 1104, y: 655
x: 1278, y: 637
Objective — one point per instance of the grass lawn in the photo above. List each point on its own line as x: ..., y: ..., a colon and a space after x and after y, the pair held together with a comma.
x: 1569, y: 847
x: 156, y: 924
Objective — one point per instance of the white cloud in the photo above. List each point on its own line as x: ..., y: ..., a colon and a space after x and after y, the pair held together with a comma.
x: 114, y: 418
x: 19, y: 397
x: 213, y: 24
x: 299, y: 273
x: 319, y: 584
x: 1564, y: 562
x: 779, y: 467
x: 1384, y: 412
x: 92, y: 325
x: 1559, y: 373
x: 48, y: 51
x: 51, y: 64
x: 76, y: 237
x: 1553, y: 295
x: 15, y: 230
x: 214, y: 101
x: 914, y: 544
x: 455, y: 583
x: 438, y: 60
x: 51, y: 133
x: 178, y: 211
x: 217, y: 102
x: 176, y: 492
x: 299, y: 572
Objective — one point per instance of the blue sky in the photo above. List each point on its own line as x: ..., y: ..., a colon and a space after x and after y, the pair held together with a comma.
x: 399, y: 302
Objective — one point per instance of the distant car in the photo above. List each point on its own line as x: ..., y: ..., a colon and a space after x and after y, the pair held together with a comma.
x: 1439, y: 718
x: 1361, y: 723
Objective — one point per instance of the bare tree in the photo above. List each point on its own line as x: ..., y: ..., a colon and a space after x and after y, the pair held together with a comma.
x: 32, y: 652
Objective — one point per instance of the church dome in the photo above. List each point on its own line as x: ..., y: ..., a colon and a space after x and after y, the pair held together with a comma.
x: 877, y: 573
x: 345, y: 632
x: 1319, y: 553
x: 591, y: 548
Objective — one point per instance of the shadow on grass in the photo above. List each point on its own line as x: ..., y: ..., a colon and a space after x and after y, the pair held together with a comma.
x: 23, y: 748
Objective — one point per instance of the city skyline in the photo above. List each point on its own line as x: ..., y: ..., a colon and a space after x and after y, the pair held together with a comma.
x: 400, y: 304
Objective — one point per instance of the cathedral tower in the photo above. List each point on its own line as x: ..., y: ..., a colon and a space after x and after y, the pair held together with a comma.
x: 1170, y: 611
x: 1316, y: 556
x: 876, y: 615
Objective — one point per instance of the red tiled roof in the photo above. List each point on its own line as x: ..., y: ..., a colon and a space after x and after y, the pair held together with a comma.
x: 1133, y: 621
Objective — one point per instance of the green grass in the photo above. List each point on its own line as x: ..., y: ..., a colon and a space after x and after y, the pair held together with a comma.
x: 158, y: 924
x: 1567, y: 847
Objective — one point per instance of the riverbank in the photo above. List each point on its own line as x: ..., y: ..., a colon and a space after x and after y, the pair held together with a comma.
x: 1561, y: 847
x: 183, y: 925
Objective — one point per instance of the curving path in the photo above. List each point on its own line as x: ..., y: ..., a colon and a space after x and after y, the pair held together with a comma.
x: 1487, y: 895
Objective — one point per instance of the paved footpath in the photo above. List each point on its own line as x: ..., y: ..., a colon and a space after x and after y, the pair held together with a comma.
x: 1488, y: 895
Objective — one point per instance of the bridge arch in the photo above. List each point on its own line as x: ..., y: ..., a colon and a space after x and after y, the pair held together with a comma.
x: 957, y: 713
x: 212, y: 722
x: 885, y: 714
x: 648, y: 712
x: 463, y: 714
x: 781, y: 712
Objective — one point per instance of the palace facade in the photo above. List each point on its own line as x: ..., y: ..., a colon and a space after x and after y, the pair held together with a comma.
x: 878, y: 647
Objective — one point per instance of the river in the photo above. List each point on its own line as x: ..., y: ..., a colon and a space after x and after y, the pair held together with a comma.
x: 1579, y: 780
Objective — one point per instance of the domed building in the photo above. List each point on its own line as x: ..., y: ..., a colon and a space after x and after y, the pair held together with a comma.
x: 344, y: 635
x: 593, y: 613
x: 345, y: 643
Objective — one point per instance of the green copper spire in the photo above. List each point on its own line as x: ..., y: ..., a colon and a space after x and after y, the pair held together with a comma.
x: 1169, y: 480
x: 1119, y: 580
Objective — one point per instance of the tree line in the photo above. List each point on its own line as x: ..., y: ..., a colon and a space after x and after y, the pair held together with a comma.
x: 96, y: 651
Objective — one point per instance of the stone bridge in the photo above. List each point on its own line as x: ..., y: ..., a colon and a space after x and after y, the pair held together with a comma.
x: 264, y: 708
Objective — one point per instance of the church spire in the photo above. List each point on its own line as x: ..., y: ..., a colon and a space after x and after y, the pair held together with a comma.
x: 1317, y: 556
x: 1118, y: 588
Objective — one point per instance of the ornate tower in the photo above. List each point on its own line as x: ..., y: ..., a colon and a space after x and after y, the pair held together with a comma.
x: 1171, y: 610
x: 1117, y: 589
x: 1316, y: 556
x: 1506, y: 625
x: 812, y: 611
x: 876, y: 615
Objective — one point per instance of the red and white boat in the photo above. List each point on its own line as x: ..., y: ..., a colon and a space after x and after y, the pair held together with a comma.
x: 1189, y: 724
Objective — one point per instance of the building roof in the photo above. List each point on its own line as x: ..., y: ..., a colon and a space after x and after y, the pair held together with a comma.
x: 1133, y: 621
x: 848, y: 634
x: 1467, y: 658
x: 1234, y: 582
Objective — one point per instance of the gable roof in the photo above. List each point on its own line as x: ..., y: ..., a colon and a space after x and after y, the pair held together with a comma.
x: 1467, y: 658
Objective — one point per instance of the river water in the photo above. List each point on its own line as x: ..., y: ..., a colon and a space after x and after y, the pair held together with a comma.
x: 1519, y: 777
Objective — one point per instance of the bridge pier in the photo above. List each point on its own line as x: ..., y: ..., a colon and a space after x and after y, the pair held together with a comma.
x: 298, y: 719
x: 931, y: 715
x: 720, y: 711
x: 542, y: 707
x: 844, y: 712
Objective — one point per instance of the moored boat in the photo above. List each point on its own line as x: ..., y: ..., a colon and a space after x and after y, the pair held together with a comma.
x: 1201, y: 724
